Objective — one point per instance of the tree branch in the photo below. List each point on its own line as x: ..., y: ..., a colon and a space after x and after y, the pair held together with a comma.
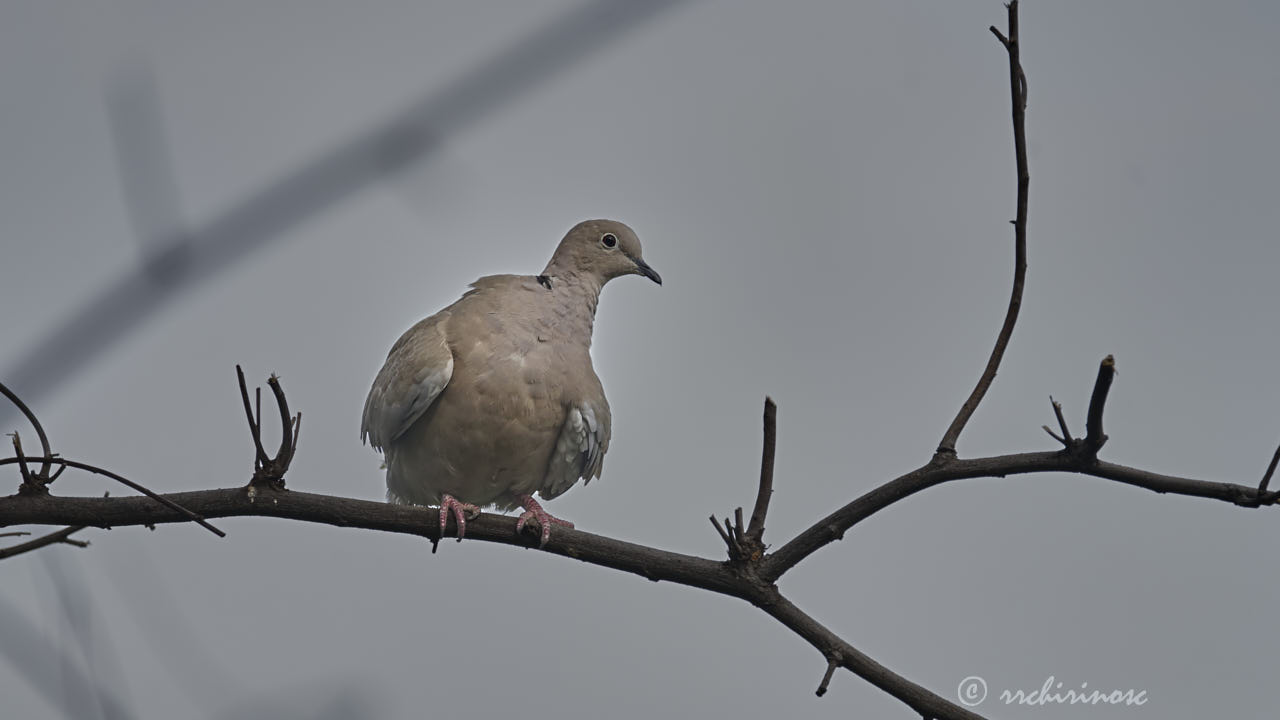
x: 750, y: 574
x: 647, y: 562
x: 157, y: 497
x: 35, y: 423
x: 1018, y: 92
x: 1066, y: 438
x: 1095, y: 438
x: 845, y: 655
x: 720, y: 577
x: 1271, y: 468
x: 268, y: 470
x: 61, y: 536
x: 755, y: 531
x: 834, y: 526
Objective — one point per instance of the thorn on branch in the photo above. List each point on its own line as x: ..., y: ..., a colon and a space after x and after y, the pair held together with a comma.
x: 833, y: 662
x: 269, y: 471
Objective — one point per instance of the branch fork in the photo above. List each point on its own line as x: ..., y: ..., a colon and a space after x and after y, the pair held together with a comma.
x: 1087, y: 447
x: 35, y: 483
x: 268, y: 471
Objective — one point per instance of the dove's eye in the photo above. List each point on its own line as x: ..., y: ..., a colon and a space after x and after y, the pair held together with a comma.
x: 609, y: 240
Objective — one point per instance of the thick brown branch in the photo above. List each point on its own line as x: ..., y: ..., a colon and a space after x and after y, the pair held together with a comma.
x: 1018, y: 91
x: 157, y: 497
x: 61, y: 536
x: 834, y: 526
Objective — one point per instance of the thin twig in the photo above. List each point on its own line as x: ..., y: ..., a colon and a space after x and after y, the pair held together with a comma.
x: 1017, y: 89
x: 735, y: 540
x: 1095, y: 438
x: 284, y: 455
x: 35, y: 423
x: 1067, y: 441
x: 1055, y: 436
x: 723, y: 535
x: 269, y: 471
x: 29, y: 485
x: 1062, y: 422
x: 1266, y: 476
x: 755, y: 531
x: 61, y: 536
x: 255, y: 428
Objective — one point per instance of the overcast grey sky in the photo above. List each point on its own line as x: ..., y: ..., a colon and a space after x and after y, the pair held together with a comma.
x: 825, y: 188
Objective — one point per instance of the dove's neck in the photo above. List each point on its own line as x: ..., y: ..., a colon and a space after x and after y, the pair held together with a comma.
x: 577, y: 295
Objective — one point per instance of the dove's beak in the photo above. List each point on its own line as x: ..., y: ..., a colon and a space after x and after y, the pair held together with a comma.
x: 645, y: 270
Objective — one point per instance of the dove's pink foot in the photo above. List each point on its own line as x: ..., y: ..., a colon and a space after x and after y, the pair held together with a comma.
x: 459, y: 509
x: 534, y: 511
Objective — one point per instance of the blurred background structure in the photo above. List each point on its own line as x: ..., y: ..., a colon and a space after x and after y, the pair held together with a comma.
x: 825, y: 188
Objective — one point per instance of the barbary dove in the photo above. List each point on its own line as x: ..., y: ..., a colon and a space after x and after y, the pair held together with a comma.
x: 494, y: 397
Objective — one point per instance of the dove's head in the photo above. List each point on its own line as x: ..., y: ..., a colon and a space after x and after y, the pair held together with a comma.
x: 601, y: 249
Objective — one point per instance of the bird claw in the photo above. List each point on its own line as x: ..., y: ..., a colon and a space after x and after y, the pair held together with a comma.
x: 460, y: 510
x: 533, y: 511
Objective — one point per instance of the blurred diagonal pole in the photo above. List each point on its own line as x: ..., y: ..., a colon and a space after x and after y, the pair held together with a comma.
x: 145, y: 167
x: 186, y: 258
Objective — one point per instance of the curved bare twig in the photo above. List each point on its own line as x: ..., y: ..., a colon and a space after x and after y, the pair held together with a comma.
x: 1018, y: 91
x: 35, y: 423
